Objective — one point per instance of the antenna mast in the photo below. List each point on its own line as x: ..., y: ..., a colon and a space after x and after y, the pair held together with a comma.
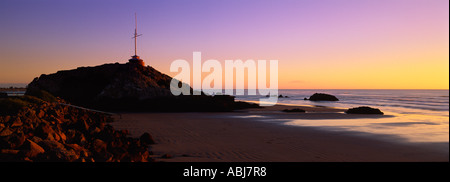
x: 135, y: 59
x: 135, y: 35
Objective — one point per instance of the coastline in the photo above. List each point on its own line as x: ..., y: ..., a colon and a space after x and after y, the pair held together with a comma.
x: 240, y: 137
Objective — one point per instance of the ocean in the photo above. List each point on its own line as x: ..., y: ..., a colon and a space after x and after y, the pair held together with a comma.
x: 413, y: 115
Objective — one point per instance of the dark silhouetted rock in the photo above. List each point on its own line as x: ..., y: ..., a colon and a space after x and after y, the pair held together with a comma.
x: 89, y: 85
x: 364, y: 110
x: 3, y: 95
x: 323, y: 97
x: 146, y: 139
x: 244, y: 105
x: 294, y: 110
x: 123, y: 87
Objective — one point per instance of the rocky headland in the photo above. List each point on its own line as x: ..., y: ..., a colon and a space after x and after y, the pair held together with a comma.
x: 126, y: 87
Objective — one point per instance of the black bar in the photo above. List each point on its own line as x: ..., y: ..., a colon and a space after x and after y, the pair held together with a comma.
x: 229, y: 171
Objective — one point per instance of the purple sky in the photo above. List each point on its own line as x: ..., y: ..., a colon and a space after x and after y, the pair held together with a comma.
x: 382, y: 39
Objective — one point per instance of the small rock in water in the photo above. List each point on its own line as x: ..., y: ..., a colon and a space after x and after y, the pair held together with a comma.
x: 322, y: 97
x: 364, y: 110
x: 294, y: 110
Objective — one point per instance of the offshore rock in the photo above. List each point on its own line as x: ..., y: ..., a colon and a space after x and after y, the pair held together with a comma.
x: 364, y: 110
x: 323, y: 97
x: 294, y: 110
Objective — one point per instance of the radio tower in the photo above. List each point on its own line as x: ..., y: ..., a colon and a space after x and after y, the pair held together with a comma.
x: 135, y: 59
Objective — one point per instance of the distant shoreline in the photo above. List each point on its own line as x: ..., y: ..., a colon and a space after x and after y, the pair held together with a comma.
x: 13, y: 89
x: 17, y: 85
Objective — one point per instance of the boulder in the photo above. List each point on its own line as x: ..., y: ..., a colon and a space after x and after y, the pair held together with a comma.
x: 82, y: 152
x: 41, y: 113
x: 32, y: 149
x: 45, y: 131
x: 294, y: 110
x: 166, y: 156
x: 36, y: 139
x: 81, y: 125
x: 107, y: 134
x: 55, y: 151
x: 17, y: 122
x: 6, y: 132
x: 16, y: 140
x: 99, y: 146
x: 62, y: 136
x: 364, y: 110
x: 146, y: 139
x: 323, y: 97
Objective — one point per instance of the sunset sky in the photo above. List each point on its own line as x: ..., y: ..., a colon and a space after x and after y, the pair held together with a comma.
x: 326, y: 44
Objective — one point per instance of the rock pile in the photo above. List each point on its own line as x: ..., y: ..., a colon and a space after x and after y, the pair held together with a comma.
x: 47, y: 131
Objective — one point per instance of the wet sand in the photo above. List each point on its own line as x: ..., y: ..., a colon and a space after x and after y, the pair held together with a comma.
x: 240, y: 137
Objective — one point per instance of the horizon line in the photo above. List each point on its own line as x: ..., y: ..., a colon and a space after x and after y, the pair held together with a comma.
x: 24, y: 85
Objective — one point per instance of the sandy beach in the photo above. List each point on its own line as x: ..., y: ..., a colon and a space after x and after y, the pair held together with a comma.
x: 239, y: 137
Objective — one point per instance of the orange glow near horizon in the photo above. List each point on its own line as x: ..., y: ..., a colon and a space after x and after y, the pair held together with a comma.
x: 331, y: 44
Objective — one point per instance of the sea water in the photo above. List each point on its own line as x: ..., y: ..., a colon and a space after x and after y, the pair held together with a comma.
x: 412, y: 115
